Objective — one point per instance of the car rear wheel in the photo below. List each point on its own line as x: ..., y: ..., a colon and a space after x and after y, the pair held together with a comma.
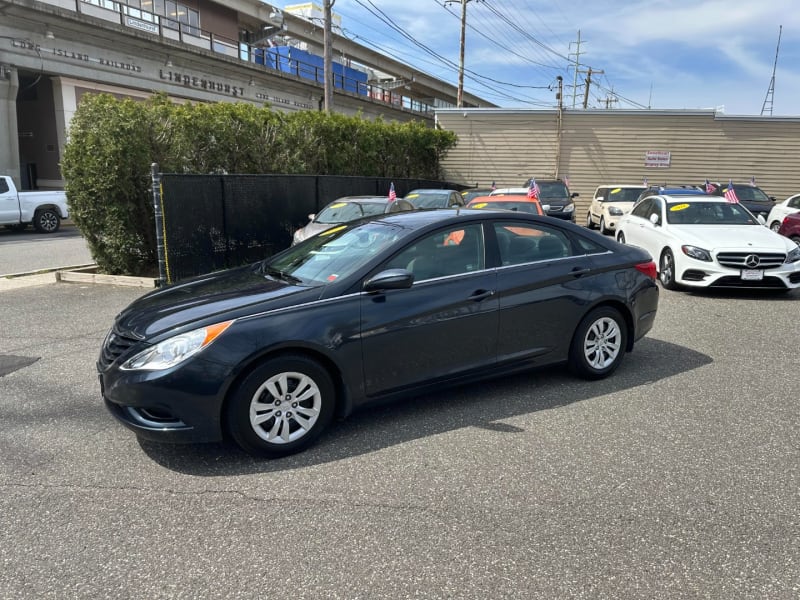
x: 46, y: 221
x: 589, y: 222
x: 281, y: 407
x: 598, y: 344
x: 666, y: 270
x: 775, y: 225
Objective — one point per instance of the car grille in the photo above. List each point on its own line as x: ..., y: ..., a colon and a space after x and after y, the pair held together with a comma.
x: 733, y: 281
x: 114, y: 346
x: 746, y: 260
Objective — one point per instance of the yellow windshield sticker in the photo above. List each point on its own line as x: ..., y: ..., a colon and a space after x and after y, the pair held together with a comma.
x: 678, y: 207
x: 412, y: 196
x: 334, y: 230
x: 339, y: 205
x: 480, y: 205
x: 616, y: 190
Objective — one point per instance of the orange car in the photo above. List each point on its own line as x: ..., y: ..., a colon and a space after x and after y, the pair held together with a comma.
x: 520, y: 203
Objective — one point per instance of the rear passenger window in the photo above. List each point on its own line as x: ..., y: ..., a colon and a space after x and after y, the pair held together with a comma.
x: 522, y: 243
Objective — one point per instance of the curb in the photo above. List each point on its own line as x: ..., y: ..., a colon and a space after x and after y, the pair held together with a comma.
x: 74, y: 274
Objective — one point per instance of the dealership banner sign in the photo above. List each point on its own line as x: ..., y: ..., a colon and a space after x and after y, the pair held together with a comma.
x: 656, y: 158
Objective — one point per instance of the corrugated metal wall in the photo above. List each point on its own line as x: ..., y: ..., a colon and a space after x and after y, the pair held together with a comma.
x: 607, y: 146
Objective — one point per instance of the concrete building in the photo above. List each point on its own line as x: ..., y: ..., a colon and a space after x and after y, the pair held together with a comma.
x: 597, y: 147
x: 54, y: 51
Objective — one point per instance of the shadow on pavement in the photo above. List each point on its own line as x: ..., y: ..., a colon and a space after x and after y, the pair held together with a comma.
x: 384, y: 424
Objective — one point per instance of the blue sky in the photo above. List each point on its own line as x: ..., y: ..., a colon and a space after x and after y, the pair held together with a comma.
x: 667, y: 54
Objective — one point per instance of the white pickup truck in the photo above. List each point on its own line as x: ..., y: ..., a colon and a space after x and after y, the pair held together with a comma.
x: 42, y: 209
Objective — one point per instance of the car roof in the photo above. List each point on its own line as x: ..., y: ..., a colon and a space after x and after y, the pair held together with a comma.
x: 509, y: 190
x: 637, y: 186
x: 696, y: 197
x: 504, y: 198
x: 375, y: 199
x: 431, y: 191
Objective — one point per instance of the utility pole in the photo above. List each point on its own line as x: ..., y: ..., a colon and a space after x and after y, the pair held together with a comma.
x: 460, y: 97
x: 767, y: 106
x: 588, y: 85
x: 577, y: 64
x: 327, y: 66
x: 559, y: 123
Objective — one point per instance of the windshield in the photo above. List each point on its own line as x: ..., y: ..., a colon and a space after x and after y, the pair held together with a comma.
x: 624, y: 194
x: 553, y: 190
x: 709, y: 213
x: 749, y: 193
x: 528, y: 207
x: 428, y: 199
x: 333, y: 254
x: 342, y: 212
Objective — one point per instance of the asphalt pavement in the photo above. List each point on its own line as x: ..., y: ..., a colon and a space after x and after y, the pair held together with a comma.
x: 29, y: 251
x: 678, y: 477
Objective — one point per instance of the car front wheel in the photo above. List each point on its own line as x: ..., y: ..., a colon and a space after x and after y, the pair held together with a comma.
x: 589, y: 222
x: 603, y: 228
x: 621, y: 237
x: 666, y: 271
x: 775, y: 225
x: 598, y: 344
x: 281, y: 407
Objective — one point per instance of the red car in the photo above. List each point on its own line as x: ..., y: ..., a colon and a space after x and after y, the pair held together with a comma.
x: 791, y: 227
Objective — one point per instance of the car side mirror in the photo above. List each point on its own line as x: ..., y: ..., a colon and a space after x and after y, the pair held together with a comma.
x: 773, y: 198
x: 574, y: 195
x: 761, y: 220
x: 390, y: 279
x: 600, y: 199
x: 311, y: 216
x: 655, y: 219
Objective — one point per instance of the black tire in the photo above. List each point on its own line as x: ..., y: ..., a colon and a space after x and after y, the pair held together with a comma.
x: 775, y: 225
x: 603, y: 228
x: 267, y: 430
x: 621, y: 237
x: 795, y: 239
x: 598, y: 344
x: 666, y: 270
x: 589, y: 222
x: 46, y: 220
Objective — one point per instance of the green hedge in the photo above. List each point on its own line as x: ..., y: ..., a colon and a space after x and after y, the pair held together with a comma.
x: 112, y: 143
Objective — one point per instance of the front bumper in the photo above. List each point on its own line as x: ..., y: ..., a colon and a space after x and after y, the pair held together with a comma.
x: 700, y: 274
x: 183, y: 405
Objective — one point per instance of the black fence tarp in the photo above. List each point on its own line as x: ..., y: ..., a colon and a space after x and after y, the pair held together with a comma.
x: 214, y: 222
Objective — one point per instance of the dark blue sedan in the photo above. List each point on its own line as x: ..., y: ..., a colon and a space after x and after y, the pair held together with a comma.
x: 269, y: 353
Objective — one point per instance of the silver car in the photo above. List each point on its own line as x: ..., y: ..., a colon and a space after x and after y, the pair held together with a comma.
x: 349, y: 208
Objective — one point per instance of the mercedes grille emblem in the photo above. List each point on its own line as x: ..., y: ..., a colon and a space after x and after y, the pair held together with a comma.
x: 752, y: 261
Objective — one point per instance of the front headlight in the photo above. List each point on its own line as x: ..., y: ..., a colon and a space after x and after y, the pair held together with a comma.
x: 696, y: 253
x: 793, y: 256
x: 614, y: 211
x: 569, y: 208
x: 175, y: 350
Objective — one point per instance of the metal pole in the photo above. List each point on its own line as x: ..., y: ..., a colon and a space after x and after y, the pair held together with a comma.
x: 328, y: 57
x: 161, y: 250
x: 460, y: 99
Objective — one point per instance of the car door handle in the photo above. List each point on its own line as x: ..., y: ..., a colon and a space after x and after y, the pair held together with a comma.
x: 479, y: 295
x: 579, y: 271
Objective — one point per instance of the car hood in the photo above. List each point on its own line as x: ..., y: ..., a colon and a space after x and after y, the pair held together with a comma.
x: 208, y: 299
x: 625, y: 207
x: 742, y: 237
x: 313, y: 228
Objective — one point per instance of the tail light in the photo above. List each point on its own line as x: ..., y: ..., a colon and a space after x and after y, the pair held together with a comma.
x: 648, y: 268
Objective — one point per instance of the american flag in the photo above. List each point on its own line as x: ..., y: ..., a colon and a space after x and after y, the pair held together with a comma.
x: 566, y: 180
x: 533, y: 190
x: 710, y: 187
x: 392, y: 193
x: 644, y: 182
x: 494, y: 185
x: 753, y: 181
x: 730, y: 193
